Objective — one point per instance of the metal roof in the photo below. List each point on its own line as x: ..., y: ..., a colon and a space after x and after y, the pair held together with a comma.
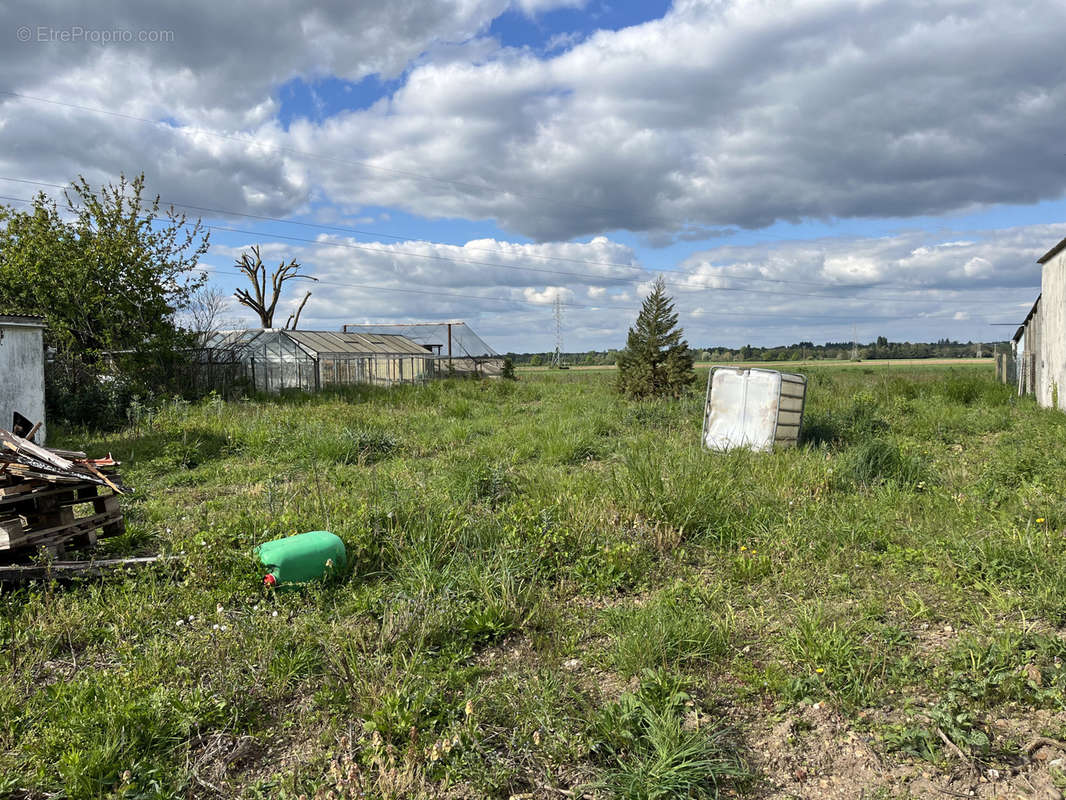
x: 1050, y: 254
x: 316, y: 343
x: 27, y: 320
x: 1021, y: 329
x: 463, y: 340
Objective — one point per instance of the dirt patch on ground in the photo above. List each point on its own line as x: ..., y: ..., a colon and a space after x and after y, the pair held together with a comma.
x: 814, y: 752
x: 931, y: 639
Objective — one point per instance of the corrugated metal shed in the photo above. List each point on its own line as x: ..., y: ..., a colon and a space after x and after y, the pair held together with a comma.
x: 22, y: 369
x: 28, y: 320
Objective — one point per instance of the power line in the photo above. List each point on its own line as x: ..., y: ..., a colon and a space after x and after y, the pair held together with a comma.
x: 599, y: 278
x: 565, y: 273
x: 585, y: 306
x: 515, y: 301
x: 420, y: 176
x: 481, y: 298
x: 648, y: 270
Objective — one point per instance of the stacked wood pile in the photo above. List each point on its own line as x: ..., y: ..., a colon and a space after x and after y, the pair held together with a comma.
x: 55, y: 498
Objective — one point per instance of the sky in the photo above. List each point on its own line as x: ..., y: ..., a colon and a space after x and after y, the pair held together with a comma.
x: 796, y: 171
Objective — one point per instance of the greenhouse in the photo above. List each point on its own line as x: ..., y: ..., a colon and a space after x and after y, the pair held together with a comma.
x: 459, y: 350
x: 273, y: 360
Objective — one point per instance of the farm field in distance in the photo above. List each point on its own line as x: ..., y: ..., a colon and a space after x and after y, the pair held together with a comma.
x: 554, y: 592
x: 825, y: 363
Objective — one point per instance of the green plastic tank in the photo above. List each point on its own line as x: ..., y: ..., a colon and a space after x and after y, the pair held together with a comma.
x: 301, y: 558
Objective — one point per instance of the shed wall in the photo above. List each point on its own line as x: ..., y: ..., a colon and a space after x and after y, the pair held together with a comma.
x: 1050, y: 349
x: 22, y: 375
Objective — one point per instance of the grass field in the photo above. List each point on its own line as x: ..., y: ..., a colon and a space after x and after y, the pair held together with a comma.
x: 553, y: 592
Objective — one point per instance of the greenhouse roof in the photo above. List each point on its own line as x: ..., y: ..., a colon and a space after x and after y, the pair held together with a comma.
x: 464, y: 341
x: 334, y: 342
x: 325, y: 342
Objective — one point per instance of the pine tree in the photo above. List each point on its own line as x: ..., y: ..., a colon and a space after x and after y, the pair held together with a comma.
x: 656, y: 361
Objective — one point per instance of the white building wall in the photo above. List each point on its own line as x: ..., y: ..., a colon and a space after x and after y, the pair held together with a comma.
x: 22, y: 373
x: 1051, y: 349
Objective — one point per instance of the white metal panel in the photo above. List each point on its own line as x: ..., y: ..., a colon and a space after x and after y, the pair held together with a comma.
x: 752, y: 408
x: 742, y: 409
x: 22, y: 372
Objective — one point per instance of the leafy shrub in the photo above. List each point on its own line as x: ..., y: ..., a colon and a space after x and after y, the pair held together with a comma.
x: 86, y: 399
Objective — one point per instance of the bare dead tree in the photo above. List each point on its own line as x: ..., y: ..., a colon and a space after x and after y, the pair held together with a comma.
x: 206, y: 313
x: 294, y: 319
x: 260, y: 302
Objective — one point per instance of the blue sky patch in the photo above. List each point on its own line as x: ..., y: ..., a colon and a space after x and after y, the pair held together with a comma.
x: 319, y: 99
x: 567, y: 26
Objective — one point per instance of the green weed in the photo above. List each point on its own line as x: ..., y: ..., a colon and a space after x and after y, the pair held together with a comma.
x: 878, y: 461
x: 653, y: 745
x: 674, y: 629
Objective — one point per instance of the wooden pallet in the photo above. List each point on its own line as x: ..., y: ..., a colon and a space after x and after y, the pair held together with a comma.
x: 70, y: 570
x: 46, y: 515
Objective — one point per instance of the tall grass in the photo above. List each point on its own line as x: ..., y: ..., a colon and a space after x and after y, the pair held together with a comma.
x: 651, y: 752
x: 522, y: 555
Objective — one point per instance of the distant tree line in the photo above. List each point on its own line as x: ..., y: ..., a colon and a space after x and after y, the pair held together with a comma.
x: 881, y: 347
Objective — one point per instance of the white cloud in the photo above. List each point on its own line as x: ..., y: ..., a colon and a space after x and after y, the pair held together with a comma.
x: 534, y: 7
x: 686, y: 121
x: 720, y: 114
x: 548, y: 295
x: 766, y: 294
x: 978, y: 267
x: 563, y: 41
